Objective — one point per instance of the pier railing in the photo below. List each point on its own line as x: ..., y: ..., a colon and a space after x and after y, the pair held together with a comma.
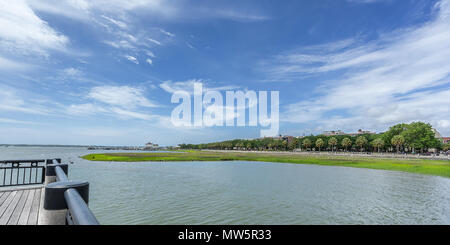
x: 21, y: 172
x: 66, y: 201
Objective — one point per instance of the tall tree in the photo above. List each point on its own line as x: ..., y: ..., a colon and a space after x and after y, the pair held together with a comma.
x: 307, y: 143
x: 398, y: 141
x: 320, y: 143
x: 332, y: 142
x: 346, y: 142
x: 378, y: 143
x: 293, y: 144
x: 446, y: 147
x: 420, y: 135
x: 361, y: 141
x: 284, y: 145
x: 394, y: 130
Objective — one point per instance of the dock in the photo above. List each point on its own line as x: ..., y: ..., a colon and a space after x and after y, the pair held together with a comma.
x: 39, y: 192
x: 20, y: 207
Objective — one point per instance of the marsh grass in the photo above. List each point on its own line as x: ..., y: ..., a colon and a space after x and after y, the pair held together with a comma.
x: 419, y: 166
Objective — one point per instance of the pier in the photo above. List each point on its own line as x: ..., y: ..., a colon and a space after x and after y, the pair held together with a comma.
x: 39, y: 192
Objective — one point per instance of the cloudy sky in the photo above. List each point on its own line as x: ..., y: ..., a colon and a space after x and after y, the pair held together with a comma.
x: 103, y: 72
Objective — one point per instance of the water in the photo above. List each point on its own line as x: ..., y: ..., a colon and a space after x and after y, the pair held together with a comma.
x: 250, y: 193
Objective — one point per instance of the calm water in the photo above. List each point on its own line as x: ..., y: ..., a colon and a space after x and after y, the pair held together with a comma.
x: 250, y: 193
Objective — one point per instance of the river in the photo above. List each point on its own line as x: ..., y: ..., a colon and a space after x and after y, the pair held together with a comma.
x: 249, y: 192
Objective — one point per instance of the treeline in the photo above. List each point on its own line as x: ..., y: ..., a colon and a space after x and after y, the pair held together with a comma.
x: 415, y: 137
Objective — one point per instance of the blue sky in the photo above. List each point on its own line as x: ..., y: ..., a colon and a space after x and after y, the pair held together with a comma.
x: 102, y: 72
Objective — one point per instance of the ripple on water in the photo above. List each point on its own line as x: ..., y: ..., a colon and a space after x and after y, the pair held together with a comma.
x: 251, y: 193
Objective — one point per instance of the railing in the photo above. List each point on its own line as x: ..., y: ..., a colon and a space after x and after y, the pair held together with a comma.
x: 21, y: 172
x: 65, y: 194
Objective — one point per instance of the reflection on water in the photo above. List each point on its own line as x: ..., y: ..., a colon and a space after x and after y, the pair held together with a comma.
x: 250, y: 193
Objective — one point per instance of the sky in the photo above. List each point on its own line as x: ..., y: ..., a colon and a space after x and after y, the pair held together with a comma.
x: 103, y: 72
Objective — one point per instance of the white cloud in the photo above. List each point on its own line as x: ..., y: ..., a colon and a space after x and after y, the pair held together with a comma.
x: 85, y: 10
x: 124, y: 96
x: 7, y: 65
x: 119, y: 23
x: 403, y: 76
x: 85, y: 109
x: 11, y: 102
x: 154, y: 41
x: 132, y: 114
x: 73, y: 72
x: 188, y: 86
x: 238, y: 15
x: 132, y: 59
x: 22, y: 31
x: 121, y: 44
x: 167, y: 33
x: 365, y: 1
x: 122, y: 102
x: 110, y: 110
x: 13, y: 121
x: 150, y: 53
x: 149, y: 61
x: 177, y: 9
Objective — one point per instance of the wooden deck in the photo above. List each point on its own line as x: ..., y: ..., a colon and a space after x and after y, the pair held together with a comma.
x: 20, y: 206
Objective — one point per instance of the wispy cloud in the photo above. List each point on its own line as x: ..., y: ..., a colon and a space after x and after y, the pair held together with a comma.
x: 124, y: 96
x: 132, y: 59
x: 8, y: 65
x: 13, y: 121
x: 188, y: 86
x: 154, y: 41
x: 123, y: 102
x: 10, y: 101
x: 24, y: 35
x: 166, y: 33
x: 366, y: 1
x: 119, y: 23
x: 402, y: 76
x: 73, y: 72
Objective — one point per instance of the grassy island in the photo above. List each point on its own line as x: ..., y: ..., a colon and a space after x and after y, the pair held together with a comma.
x: 420, y: 166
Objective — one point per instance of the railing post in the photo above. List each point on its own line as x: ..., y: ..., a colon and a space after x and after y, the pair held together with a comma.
x: 52, y: 217
x: 55, y: 206
x: 50, y: 173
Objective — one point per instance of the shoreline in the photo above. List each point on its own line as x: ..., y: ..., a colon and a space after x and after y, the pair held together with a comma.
x: 375, y: 155
x: 411, y: 165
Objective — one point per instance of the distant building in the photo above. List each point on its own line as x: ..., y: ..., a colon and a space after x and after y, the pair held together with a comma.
x: 446, y: 140
x: 360, y: 131
x: 331, y: 133
x: 150, y: 145
x: 437, y: 135
x: 288, y: 138
x: 339, y: 132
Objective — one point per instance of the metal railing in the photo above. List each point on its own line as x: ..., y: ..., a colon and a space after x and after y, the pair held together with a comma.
x: 75, y: 196
x: 21, y: 172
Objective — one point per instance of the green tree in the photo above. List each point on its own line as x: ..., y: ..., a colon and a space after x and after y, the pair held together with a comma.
x: 378, y: 143
x: 398, y: 141
x: 394, y: 130
x: 446, y: 147
x: 332, y: 142
x: 361, y: 141
x: 307, y: 143
x: 293, y: 144
x: 419, y: 135
x: 346, y: 142
x: 320, y: 143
